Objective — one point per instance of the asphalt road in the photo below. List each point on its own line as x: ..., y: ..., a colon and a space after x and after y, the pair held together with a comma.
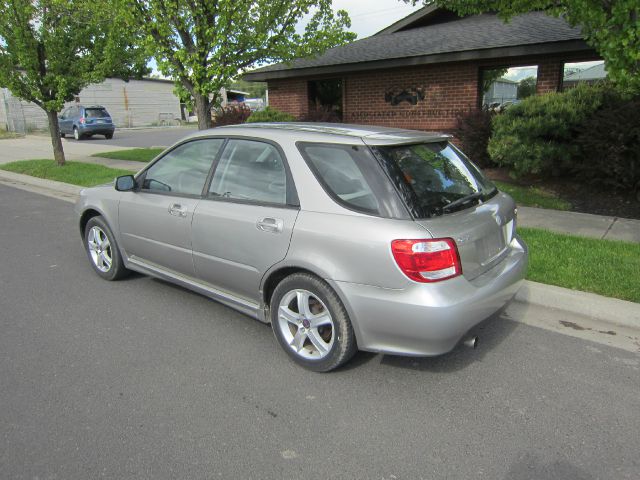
x: 147, y: 137
x: 141, y: 379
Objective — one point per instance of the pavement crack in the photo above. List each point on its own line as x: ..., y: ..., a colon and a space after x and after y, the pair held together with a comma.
x: 615, y: 219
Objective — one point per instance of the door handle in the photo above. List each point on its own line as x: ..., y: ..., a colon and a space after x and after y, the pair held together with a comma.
x: 177, y: 210
x: 269, y: 224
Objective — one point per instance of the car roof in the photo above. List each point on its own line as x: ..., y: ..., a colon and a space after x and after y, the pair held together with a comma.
x: 326, y: 132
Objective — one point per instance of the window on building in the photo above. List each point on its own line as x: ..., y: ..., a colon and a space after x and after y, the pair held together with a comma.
x: 505, y: 86
x: 583, y: 72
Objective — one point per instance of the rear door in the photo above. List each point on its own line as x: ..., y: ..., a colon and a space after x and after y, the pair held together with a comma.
x: 244, y: 224
x: 155, y: 221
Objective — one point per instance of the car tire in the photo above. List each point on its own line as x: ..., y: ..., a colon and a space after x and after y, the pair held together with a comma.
x: 321, y: 337
x: 62, y: 135
x: 102, y: 250
x: 76, y: 134
x: 108, y: 136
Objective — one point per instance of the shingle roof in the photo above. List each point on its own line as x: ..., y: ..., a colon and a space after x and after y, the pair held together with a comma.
x: 472, y: 33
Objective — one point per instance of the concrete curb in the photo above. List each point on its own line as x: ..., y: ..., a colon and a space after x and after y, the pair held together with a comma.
x: 64, y: 191
x: 604, y: 309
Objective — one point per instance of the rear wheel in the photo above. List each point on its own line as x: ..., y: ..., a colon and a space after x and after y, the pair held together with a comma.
x: 108, y: 136
x: 311, y: 324
x: 62, y: 135
x: 103, y: 251
x: 76, y: 134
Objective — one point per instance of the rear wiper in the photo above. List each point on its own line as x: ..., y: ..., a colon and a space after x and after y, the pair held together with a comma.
x: 463, y: 200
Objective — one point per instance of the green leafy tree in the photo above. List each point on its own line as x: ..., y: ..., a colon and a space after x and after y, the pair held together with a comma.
x: 527, y: 87
x: 612, y: 27
x: 255, y: 89
x: 204, y: 44
x: 51, y: 49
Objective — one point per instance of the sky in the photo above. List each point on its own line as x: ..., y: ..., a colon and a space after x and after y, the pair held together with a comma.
x: 371, y: 16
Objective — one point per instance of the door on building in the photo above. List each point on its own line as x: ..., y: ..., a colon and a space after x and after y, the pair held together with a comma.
x: 325, y: 100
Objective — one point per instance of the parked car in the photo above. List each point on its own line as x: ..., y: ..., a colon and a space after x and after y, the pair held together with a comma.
x: 82, y: 122
x: 342, y: 237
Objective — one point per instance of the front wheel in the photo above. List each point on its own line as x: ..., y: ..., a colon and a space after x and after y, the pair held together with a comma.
x: 103, y: 251
x: 311, y: 323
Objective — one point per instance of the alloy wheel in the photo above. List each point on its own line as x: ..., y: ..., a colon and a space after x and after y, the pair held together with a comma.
x: 99, y: 249
x: 306, y: 324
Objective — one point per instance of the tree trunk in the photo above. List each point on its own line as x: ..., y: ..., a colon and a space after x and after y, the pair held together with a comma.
x: 56, y: 141
x: 203, y: 110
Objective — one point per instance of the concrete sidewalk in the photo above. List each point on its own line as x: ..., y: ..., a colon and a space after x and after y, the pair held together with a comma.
x: 582, y: 224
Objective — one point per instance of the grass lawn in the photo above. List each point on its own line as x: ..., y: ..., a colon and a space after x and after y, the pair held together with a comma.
x: 83, y: 174
x: 533, y: 196
x: 606, y: 267
x: 135, y: 154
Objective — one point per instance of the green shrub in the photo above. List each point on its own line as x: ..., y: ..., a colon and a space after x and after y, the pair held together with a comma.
x: 610, y: 147
x: 538, y: 134
x: 473, y: 129
x: 270, y: 115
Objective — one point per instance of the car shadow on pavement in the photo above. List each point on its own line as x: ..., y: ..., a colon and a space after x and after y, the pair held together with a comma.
x: 491, y: 333
x: 529, y: 466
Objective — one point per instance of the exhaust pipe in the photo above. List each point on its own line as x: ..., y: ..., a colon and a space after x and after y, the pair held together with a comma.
x: 471, y: 342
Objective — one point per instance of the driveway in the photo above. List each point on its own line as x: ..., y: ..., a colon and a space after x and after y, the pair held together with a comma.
x: 141, y: 379
x: 39, y: 146
x: 151, y: 137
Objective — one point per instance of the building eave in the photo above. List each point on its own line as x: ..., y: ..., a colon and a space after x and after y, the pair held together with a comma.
x: 569, y: 48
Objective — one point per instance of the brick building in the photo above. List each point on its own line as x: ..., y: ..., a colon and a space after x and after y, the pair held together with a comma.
x: 424, y: 69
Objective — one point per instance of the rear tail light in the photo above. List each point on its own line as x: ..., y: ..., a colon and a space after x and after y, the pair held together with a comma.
x: 81, y: 120
x: 429, y: 260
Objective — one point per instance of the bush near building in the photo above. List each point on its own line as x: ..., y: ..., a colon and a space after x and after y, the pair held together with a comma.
x: 231, y: 115
x: 473, y: 130
x: 590, y: 132
x: 610, y: 147
x: 270, y: 115
x: 538, y: 134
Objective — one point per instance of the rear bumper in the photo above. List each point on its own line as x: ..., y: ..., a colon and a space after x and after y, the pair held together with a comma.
x: 99, y: 129
x: 430, y: 319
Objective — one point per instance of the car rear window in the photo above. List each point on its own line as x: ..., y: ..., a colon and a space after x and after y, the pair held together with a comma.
x: 342, y: 171
x: 434, y: 178
x: 96, y: 113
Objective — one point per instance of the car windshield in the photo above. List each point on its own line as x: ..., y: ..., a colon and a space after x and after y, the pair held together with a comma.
x: 96, y: 113
x: 434, y: 178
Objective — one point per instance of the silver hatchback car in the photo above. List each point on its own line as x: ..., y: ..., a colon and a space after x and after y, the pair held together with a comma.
x: 343, y: 237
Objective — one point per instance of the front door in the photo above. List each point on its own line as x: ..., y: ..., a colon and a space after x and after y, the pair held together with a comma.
x: 244, y: 225
x: 155, y: 220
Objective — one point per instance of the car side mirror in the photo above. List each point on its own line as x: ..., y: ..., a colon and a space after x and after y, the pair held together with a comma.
x: 125, y: 183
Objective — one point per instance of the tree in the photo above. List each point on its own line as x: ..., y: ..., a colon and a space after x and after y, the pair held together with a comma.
x: 527, y: 87
x: 51, y: 49
x: 204, y: 44
x: 612, y: 27
x: 255, y: 89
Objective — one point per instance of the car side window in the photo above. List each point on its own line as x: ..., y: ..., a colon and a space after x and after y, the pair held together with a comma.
x: 341, y: 171
x: 250, y: 170
x: 184, y: 169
